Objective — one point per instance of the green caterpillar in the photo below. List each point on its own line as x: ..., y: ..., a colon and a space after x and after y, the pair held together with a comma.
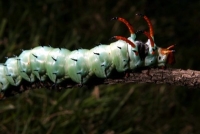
x: 59, y: 64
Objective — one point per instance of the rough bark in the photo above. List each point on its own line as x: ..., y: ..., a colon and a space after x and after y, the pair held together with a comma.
x: 175, y: 77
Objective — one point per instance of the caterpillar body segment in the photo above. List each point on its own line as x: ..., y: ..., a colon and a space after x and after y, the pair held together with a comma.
x: 136, y: 60
x: 56, y: 63
x: 151, y: 58
x: 38, y: 59
x: 4, y: 83
x: 12, y: 72
x: 120, y: 57
x: 59, y: 64
x: 24, y: 66
x: 77, y: 66
x: 100, y: 60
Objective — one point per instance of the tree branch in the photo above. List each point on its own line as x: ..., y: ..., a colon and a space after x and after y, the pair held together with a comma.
x: 176, y: 77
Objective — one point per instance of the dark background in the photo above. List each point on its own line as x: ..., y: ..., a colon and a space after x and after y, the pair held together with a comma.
x: 130, y: 108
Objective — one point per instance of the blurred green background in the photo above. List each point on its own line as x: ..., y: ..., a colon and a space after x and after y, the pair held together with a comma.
x: 124, y: 109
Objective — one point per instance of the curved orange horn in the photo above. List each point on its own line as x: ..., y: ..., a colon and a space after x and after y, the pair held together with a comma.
x: 124, y: 39
x: 149, y: 24
x: 131, y: 30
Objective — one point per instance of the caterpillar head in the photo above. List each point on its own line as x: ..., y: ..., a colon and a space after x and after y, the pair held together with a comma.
x: 166, y: 56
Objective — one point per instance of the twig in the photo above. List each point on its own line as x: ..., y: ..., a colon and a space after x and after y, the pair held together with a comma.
x: 176, y: 77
